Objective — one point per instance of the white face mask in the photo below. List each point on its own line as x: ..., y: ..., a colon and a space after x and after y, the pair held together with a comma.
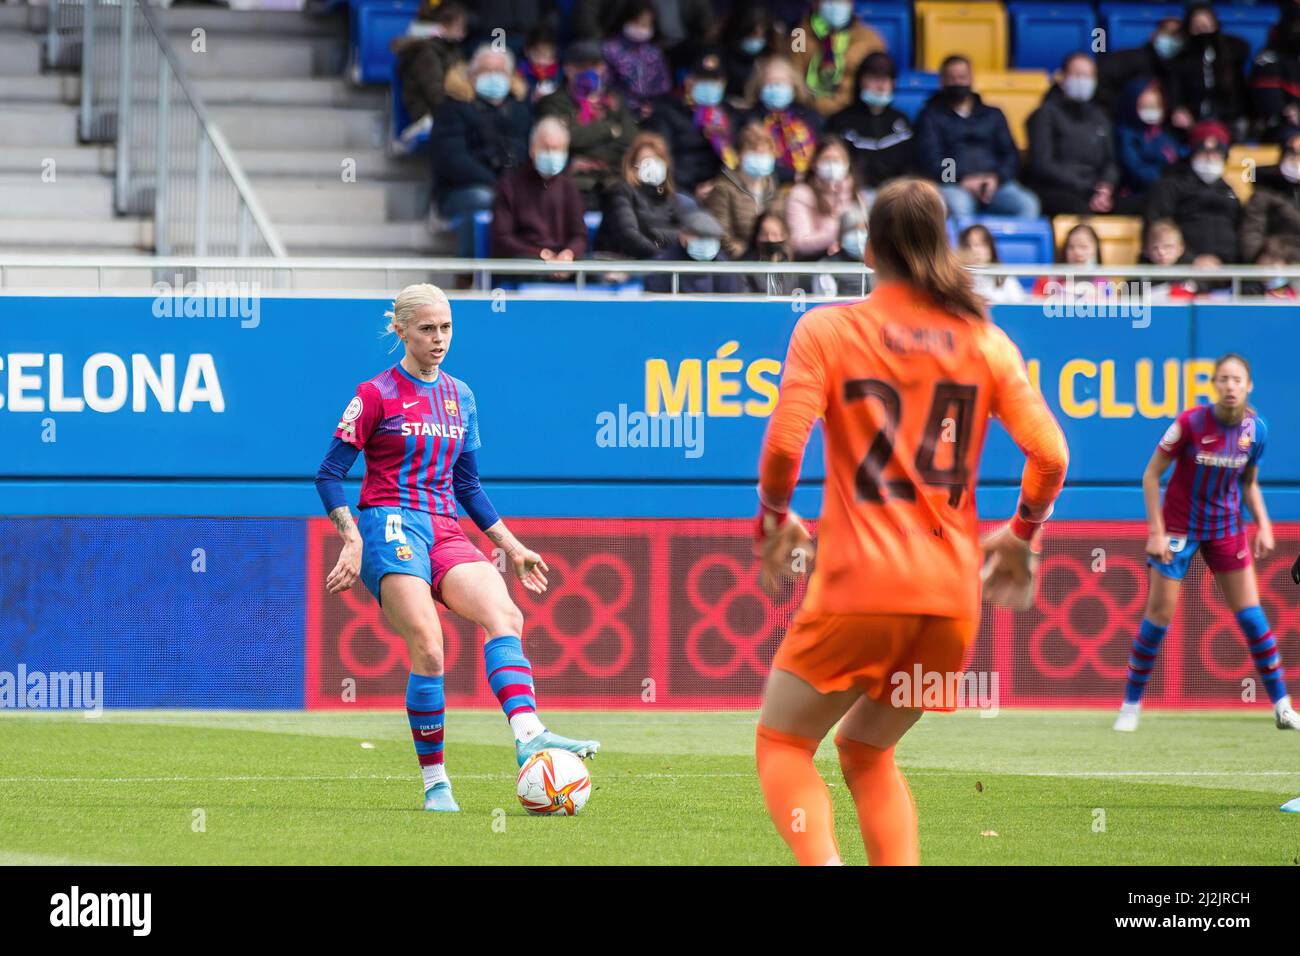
x: 832, y: 170
x: 652, y: 171
x: 1208, y: 169
x: 1079, y: 88
x: 1290, y: 169
x: 1151, y: 117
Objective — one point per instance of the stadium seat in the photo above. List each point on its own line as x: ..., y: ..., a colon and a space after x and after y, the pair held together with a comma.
x: 1121, y: 236
x: 1129, y: 25
x: 893, y: 21
x: 375, y: 24
x: 977, y: 31
x: 912, y: 90
x: 1252, y: 24
x: 1042, y: 34
x: 592, y: 218
x: 1018, y: 241
x: 1243, y: 164
x: 1017, y: 93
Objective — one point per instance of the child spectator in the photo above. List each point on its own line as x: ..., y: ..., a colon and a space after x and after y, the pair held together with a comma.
x: 539, y: 67
x: 1146, y: 143
x: 1164, y: 247
x: 976, y: 247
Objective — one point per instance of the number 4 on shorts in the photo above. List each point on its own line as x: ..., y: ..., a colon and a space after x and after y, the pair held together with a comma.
x: 393, y: 530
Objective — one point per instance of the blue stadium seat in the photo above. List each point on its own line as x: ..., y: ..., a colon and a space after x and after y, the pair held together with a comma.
x: 1042, y: 34
x: 1027, y: 241
x: 592, y: 219
x: 375, y: 23
x: 912, y: 91
x: 400, y: 120
x: 1128, y: 25
x: 1252, y: 24
x: 893, y: 21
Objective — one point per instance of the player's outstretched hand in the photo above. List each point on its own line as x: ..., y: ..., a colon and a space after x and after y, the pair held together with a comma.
x: 1263, y: 543
x: 785, y: 552
x: 530, y: 569
x: 1010, y: 572
x: 346, y: 570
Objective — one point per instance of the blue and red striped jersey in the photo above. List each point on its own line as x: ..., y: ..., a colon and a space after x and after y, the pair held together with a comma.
x: 411, y: 433
x: 1203, y: 499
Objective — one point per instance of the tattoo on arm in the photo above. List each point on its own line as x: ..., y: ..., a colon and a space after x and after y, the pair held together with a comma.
x: 342, y: 519
x: 500, y: 535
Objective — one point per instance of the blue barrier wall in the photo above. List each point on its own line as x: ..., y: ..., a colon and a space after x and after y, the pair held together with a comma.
x: 154, y: 414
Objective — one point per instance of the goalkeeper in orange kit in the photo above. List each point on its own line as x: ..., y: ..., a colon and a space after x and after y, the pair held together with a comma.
x: 904, y: 382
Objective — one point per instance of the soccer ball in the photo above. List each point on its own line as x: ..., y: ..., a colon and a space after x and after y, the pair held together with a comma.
x: 553, y: 782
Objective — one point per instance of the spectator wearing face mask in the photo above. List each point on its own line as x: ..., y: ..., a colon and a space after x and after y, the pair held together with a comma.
x: 1119, y: 70
x: 1146, y: 144
x: 814, y: 208
x: 835, y: 43
x: 539, y: 68
x: 1273, y: 211
x: 879, y: 137
x: 1275, y: 77
x: 739, y: 196
x: 747, y: 36
x: 771, y: 243
x: 429, y: 62
x: 975, y: 247
x: 852, y: 246
x: 966, y: 147
x: 698, y: 240
x: 777, y: 101
x: 1195, y: 195
x: 1071, y: 145
x: 699, y: 127
x: 1164, y: 247
x: 637, y: 66
x: 478, y: 142
x: 1274, y: 252
x: 600, y: 125
x: 1206, y: 80
x: 642, y: 212
x: 538, y: 209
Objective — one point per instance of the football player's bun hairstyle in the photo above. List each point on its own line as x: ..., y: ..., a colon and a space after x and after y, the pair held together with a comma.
x: 907, y: 233
x: 410, y: 301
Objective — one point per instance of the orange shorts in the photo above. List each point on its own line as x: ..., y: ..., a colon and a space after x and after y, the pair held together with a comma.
x: 889, y: 657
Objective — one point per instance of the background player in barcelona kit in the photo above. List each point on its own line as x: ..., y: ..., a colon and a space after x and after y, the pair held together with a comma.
x: 1216, y: 451
x: 418, y: 428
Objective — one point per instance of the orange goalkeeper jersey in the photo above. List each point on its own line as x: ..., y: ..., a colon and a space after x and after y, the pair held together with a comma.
x: 905, y: 390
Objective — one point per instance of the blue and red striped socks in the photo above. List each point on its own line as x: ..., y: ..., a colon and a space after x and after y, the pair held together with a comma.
x: 1142, y: 659
x: 510, y: 676
x: 425, y: 710
x: 1263, y: 650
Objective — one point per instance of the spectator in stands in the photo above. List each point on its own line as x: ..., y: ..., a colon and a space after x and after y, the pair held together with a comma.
x: 478, y: 141
x: 539, y: 67
x: 771, y: 243
x: 748, y: 36
x: 1145, y: 142
x: 879, y: 137
x: 515, y: 19
x: 1117, y: 71
x: 1082, y: 247
x: 699, y: 127
x: 699, y: 240
x: 1071, y: 163
x: 835, y: 42
x: 1273, y: 211
x: 1206, y: 80
x: 975, y: 246
x: 1275, y: 79
x: 1274, y: 252
x: 966, y: 147
x: 538, y: 209
x: 777, y: 98
x: 1164, y: 247
x: 814, y: 208
x: 1195, y: 195
x: 637, y: 66
x: 739, y: 196
x: 600, y: 125
x: 427, y: 59
x: 852, y: 245
x: 678, y: 21
x: 642, y: 212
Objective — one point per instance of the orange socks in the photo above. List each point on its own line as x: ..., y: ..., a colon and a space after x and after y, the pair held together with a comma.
x: 797, y: 797
x: 886, y: 812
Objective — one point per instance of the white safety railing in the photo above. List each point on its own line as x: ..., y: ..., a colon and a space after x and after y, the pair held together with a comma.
x: 172, y: 160
x: 125, y: 274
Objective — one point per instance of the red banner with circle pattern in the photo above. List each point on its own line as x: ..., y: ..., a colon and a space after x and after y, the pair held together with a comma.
x: 645, y: 613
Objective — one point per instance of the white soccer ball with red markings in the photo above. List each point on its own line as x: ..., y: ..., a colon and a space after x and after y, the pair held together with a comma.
x: 554, y: 783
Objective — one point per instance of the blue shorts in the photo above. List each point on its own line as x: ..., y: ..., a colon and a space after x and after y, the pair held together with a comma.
x: 1229, y: 553
x: 406, y: 541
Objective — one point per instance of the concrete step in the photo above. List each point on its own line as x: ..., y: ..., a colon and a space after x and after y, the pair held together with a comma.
x: 14, y: 16
x: 328, y: 164
x: 68, y: 197
x: 24, y: 235
x: 20, y: 53
x: 367, y: 239
x: 316, y: 91
x: 301, y: 128
x: 68, y: 160
x: 29, y: 124
x: 257, y: 22
x: 49, y: 88
x: 245, y: 57
x: 322, y: 201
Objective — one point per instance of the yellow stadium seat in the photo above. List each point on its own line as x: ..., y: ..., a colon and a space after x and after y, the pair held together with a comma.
x: 1121, y: 236
x: 1016, y: 93
x: 1244, y: 162
x: 977, y: 31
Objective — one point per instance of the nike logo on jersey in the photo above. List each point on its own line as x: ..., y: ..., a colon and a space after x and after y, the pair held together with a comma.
x: 410, y: 404
x: 1209, y: 440
x: 432, y: 430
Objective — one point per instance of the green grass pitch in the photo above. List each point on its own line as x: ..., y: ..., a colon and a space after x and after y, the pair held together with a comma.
x: 1057, y: 787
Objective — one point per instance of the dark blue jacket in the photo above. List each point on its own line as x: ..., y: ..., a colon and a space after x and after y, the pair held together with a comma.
x: 1144, y: 152
x: 980, y: 143
x: 475, y: 142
